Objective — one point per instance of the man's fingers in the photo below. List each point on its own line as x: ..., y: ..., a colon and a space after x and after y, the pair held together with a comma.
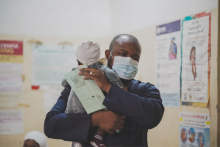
x: 88, y: 70
x: 122, y: 121
x: 89, y: 73
x: 120, y: 126
x: 120, y: 115
x: 110, y: 132
x: 93, y: 77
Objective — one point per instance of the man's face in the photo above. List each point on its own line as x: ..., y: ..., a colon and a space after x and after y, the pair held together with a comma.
x: 123, y: 48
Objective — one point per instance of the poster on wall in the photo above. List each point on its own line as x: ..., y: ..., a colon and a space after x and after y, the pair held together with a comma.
x: 11, y: 69
x: 50, y: 63
x: 196, y: 49
x: 168, y: 62
x: 194, y: 130
x: 51, y: 96
x: 11, y: 122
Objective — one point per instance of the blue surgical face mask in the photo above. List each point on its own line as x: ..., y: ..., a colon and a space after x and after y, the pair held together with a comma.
x: 125, y: 67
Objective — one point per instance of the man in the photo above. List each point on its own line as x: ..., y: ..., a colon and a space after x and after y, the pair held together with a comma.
x: 130, y: 111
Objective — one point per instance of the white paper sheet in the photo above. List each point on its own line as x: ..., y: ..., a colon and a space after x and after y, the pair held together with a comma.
x: 168, y: 59
x: 11, y: 84
x: 51, y: 95
x: 194, y: 130
x: 11, y: 122
x: 50, y: 63
x: 195, y: 60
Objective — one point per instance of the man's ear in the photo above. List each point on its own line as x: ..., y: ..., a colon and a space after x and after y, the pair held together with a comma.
x: 107, y: 54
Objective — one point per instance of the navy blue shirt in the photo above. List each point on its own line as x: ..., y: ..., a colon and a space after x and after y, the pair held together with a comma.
x: 141, y: 105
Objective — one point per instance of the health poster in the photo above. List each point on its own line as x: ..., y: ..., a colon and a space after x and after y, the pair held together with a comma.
x: 168, y: 62
x: 11, y: 122
x: 11, y: 73
x: 50, y: 63
x: 50, y: 97
x: 196, y: 50
x: 194, y: 130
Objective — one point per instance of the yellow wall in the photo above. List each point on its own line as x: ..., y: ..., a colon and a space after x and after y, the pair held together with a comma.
x: 165, y: 134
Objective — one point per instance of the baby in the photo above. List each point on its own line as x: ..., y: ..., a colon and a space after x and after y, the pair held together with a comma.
x: 89, y: 53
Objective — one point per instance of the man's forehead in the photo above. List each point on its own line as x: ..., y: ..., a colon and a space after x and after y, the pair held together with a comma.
x: 124, y: 43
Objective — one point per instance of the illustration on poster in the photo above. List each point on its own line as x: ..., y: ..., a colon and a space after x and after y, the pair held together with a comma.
x: 183, y: 135
x: 193, y: 59
x: 200, y: 137
x: 194, y: 68
x: 200, y: 140
x: 191, y: 135
x: 173, y: 49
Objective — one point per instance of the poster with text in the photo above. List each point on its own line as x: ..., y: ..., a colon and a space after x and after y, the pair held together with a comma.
x: 168, y: 62
x: 194, y: 130
x: 50, y: 63
x: 11, y: 122
x: 196, y: 49
x: 11, y: 73
x: 50, y: 97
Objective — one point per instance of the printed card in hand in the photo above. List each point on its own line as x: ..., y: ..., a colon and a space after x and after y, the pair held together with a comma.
x: 88, y: 92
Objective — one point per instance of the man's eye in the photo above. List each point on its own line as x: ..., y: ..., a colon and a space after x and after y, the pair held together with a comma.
x: 136, y: 59
x: 122, y: 54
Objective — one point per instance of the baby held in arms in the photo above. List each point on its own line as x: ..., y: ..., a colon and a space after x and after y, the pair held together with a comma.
x: 88, y: 52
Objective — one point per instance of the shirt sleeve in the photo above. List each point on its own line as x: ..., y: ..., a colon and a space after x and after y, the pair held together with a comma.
x: 146, y: 110
x: 69, y: 127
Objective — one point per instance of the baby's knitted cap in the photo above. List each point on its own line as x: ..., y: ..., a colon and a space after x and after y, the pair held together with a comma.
x: 88, y: 52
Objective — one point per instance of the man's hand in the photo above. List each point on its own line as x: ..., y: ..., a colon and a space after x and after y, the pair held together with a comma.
x: 108, y: 121
x: 98, y: 76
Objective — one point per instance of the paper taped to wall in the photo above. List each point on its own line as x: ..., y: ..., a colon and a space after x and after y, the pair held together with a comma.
x: 194, y: 130
x: 51, y: 95
x: 11, y: 122
x: 196, y: 49
x: 11, y: 71
x: 168, y: 62
x: 50, y: 63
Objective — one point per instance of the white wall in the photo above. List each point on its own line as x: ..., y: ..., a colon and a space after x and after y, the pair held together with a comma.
x: 135, y: 15
x: 55, y: 18
x: 91, y: 18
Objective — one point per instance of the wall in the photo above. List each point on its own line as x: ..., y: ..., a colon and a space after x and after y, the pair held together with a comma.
x: 34, y: 115
x: 128, y: 16
x: 166, y: 134
x: 96, y: 18
x: 27, y: 21
x: 54, y: 18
